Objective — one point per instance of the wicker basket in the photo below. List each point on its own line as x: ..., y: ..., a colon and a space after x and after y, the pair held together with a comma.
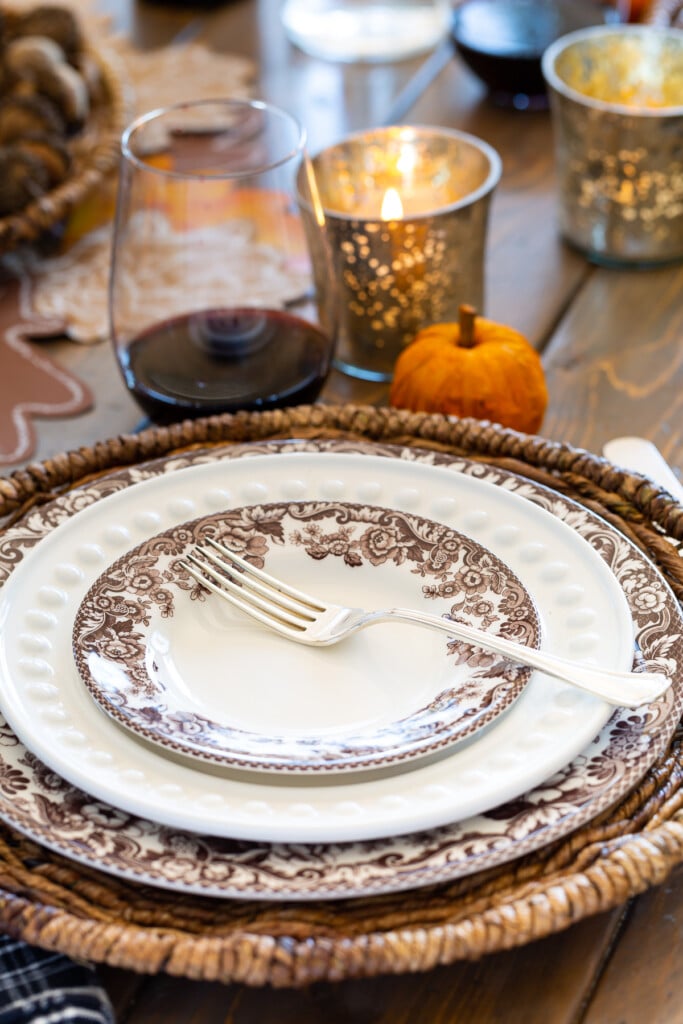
x: 56, y: 904
x: 95, y: 154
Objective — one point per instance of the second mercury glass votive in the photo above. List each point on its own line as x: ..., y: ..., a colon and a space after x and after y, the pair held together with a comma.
x: 405, y: 211
x: 616, y: 96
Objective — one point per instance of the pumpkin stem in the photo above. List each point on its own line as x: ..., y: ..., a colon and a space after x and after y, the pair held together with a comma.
x: 466, y: 318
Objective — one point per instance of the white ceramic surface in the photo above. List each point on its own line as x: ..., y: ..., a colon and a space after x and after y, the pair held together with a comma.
x: 155, y: 649
x: 583, y: 611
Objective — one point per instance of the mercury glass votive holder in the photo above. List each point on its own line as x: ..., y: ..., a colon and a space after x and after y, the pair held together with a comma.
x: 616, y: 96
x: 405, y: 214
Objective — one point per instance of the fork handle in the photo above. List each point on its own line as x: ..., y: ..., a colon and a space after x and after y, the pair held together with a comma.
x: 623, y: 689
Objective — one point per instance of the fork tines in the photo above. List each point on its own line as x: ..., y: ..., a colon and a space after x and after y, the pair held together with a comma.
x: 249, y: 588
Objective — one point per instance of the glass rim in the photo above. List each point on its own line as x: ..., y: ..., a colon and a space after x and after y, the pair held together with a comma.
x: 156, y: 114
x: 495, y: 169
x: 565, y: 42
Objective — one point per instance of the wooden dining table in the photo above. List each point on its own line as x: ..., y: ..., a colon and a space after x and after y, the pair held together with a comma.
x: 611, y: 342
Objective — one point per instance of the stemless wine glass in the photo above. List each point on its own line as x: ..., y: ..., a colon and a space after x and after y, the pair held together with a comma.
x: 212, y: 306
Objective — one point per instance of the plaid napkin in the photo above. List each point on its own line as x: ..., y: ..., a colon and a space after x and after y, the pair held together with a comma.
x: 38, y: 987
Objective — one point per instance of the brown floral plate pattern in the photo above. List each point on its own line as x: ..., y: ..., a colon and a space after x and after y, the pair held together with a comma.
x: 153, y: 646
x: 42, y: 804
x: 584, y: 614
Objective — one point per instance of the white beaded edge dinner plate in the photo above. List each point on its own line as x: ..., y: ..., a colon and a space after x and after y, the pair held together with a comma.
x: 582, y: 606
x: 173, y: 663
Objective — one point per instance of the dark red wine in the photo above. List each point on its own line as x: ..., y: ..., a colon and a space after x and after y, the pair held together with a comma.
x: 222, y: 360
x: 502, y: 41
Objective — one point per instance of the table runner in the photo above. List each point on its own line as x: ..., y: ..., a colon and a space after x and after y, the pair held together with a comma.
x: 58, y: 905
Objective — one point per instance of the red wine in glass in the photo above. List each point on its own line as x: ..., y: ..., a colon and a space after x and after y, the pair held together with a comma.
x: 503, y: 41
x: 222, y: 360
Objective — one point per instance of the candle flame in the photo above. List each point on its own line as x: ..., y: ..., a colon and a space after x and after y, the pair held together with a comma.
x: 392, y: 207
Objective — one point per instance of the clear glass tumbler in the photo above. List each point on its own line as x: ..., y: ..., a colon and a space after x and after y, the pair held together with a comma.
x: 212, y: 304
x: 366, y: 30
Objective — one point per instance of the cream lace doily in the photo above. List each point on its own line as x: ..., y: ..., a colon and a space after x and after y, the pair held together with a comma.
x: 158, y: 278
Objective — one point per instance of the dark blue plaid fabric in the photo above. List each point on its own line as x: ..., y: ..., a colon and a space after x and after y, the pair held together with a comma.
x: 38, y: 987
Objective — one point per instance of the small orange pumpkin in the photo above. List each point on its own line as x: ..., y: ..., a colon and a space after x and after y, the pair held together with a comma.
x: 472, y: 368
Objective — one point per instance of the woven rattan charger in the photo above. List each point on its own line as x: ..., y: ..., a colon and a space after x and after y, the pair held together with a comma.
x: 54, y: 903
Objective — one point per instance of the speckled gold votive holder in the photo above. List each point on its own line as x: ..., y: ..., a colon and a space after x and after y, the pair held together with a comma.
x: 398, y: 270
x: 616, y: 95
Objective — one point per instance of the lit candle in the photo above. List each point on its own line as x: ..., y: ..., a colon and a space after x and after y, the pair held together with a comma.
x: 392, y: 207
x: 407, y: 241
x: 405, y: 217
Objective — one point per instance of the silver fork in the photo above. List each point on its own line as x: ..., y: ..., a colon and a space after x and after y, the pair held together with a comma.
x: 307, y: 620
